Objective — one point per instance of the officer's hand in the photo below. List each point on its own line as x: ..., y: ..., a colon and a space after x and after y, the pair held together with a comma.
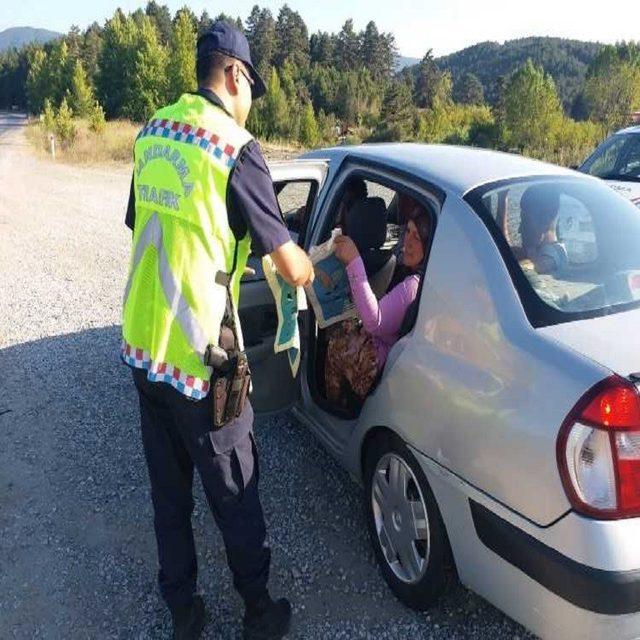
x: 312, y: 276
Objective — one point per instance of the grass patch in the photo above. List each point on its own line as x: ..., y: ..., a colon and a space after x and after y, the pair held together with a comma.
x: 115, y: 144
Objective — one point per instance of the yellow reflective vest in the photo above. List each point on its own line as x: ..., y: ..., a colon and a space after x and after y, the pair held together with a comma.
x: 173, y: 307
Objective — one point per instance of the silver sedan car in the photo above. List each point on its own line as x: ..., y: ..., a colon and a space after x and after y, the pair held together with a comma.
x: 501, y: 443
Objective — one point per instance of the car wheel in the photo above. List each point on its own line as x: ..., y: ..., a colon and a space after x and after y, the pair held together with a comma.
x: 406, y: 529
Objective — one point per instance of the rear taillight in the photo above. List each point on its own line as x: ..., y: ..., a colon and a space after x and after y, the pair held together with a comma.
x: 598, y: 451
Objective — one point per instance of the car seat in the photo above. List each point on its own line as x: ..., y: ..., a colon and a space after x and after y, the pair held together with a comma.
x: 366, y: 225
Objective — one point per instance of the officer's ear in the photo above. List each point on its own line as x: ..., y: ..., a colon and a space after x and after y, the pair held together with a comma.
x: 232, y: 78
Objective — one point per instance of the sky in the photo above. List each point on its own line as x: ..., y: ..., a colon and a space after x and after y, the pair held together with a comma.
x: 442, y: 25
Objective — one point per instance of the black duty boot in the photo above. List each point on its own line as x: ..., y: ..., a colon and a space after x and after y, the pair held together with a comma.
x: 189, y: 621
x: 266, y: 619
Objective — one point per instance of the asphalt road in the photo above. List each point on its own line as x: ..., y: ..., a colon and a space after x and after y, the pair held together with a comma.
x: 77, y: 549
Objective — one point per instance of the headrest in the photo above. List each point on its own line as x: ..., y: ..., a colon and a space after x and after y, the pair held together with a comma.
x: 366, y: 223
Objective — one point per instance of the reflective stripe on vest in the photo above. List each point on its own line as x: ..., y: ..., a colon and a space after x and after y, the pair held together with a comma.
x: 152, y: 236
x: 173, y: 307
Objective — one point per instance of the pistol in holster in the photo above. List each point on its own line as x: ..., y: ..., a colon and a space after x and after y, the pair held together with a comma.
x: 231, y: 376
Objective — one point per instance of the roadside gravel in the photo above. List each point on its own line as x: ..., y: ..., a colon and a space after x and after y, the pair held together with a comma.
x: 77, y: 550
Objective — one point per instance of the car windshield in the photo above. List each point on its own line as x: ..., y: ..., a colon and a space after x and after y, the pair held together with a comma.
x: 617, y: 158
x: 571, y: 245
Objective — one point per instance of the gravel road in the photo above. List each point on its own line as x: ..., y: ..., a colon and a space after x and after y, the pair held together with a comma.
x: 77, y: 550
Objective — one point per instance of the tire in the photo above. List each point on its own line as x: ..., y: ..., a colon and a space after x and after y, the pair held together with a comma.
x: 423, y: 568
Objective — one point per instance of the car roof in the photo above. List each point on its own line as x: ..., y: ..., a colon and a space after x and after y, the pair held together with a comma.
x: 633, y: 129
x: 456, y: 169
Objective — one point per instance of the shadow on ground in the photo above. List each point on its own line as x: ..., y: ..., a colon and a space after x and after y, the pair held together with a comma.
x: 78, y: 553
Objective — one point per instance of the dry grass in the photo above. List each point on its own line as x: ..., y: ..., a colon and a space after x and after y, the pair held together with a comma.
x: 115, y: 144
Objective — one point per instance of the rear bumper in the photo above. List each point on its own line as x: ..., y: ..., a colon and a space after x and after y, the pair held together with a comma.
x: 597, y: 590
x: 575, y: 579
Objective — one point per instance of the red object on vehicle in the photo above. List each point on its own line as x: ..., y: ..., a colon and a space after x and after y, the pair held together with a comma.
x: 598, y: 451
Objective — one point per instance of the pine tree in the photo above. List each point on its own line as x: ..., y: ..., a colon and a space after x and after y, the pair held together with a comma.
x: 161, y: 16
x: 48, y: 117
x: 117, y: 64
x: 275, y: 111
x: 347, y: 50
x: 321, y: 48
x: 426, y: 82
x: 97, y: 121
x: 148, y: 87
x: 468, y: 90
x: 378, y: 52
x: 182, y: 57
x: 37, y: 83
x: 292, y: 37
x: 204, y: 23
x: 397, y: 117
x: 90, y: 51
x: 261, y: 33
x: 309, y: 134
x: 65, y: 127
x: 81, y: 97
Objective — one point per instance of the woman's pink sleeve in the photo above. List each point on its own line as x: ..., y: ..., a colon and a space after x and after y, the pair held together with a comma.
x: 382, y: 317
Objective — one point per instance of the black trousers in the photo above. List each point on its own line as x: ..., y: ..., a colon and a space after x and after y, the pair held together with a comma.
x: 176, y: 438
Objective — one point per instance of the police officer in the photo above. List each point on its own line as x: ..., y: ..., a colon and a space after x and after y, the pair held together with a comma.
x: 200, y: 196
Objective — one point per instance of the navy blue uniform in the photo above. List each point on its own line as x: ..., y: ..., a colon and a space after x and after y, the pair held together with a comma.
x: 177, y: 436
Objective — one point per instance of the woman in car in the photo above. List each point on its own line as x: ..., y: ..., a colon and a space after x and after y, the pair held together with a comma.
x: 356, y: 353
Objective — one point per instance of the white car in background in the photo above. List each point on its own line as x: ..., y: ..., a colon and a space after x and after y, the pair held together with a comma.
x: 617, y: 162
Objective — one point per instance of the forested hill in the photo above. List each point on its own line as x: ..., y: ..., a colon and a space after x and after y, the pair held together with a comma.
x: 19, y: 36
x: 565, y: 60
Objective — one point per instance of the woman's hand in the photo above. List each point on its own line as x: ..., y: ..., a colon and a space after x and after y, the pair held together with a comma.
x: 345, y: 249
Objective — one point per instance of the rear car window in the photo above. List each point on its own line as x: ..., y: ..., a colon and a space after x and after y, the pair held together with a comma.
x: 571, y: 245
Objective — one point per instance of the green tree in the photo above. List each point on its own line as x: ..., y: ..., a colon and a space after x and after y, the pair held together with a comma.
x: 149, y: 84
x: 468, y: 89
x: 275, y: 113
x: 97, y: 121
x: 612, y: 87
x: 182, y: 57
x: 309, y: 134
x: 205, y: 22
x: 117, y: 64
x: 161, y: 17
x: 261, y: 33
x: 532, y: 111
x: 397, y: 118
x: 90, y: 51
x: 48, y: 117
x: 81, y: 97
x: 378, y: 52
x: 346, y: 53
x: 65, y: 127
x: 321, y: 48
x: 292, y: 38
x: 426, y: 81
x: 37, y: 85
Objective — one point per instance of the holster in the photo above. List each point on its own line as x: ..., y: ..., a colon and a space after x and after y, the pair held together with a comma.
x: 230, y: 380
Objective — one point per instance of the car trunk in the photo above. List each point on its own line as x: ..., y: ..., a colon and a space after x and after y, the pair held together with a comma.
x: 612, y: 341
x: 630, y: 190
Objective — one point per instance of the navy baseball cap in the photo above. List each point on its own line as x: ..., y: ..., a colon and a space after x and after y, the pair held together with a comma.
x: 226, y: 39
